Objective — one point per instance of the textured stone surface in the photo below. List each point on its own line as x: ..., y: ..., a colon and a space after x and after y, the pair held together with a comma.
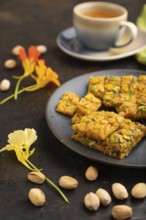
x: 36, y: 22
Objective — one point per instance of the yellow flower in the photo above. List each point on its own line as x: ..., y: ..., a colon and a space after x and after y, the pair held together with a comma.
x: 20, y: 141
x: 43, y: 76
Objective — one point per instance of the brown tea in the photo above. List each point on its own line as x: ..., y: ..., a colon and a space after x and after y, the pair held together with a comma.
x: 101, y: 13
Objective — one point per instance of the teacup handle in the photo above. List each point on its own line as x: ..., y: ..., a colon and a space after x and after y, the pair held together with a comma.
x: 132, y: 30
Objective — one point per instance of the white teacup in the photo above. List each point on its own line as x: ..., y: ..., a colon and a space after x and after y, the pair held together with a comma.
x: 100, y: 25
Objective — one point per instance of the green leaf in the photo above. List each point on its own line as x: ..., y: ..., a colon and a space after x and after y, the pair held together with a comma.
x: 141, y: 20
x: 141, y: 24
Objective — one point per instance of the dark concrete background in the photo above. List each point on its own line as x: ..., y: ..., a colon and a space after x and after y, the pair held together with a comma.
x: 36, y: 22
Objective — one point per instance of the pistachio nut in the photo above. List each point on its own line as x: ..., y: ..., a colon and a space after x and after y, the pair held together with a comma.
x: 16, y: 50
x: 36, y: 177
x: 37, y: 196
x: 91, y: 201
x: 119, y: 191
x: 42, y: 48
x: 121, y: 212
x: 10, y: 64
x: 91, y: 173
x: 68, y: 182
x: 5, y: 85
x: 139, y: 190
x: 104, y: 197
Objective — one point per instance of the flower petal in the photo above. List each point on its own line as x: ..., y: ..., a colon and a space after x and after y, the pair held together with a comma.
x: 20, y: 141
x: 30, y: 136
x: 17, y: 138
x: 19, y: 154
x: 33, y: 53
x: 22, y: 54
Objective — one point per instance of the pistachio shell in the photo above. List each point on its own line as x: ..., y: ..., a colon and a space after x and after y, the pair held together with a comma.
x: 91, y: 201
x: 10, y: 64
x: 37, y: 197
x: 119, y: 191
x: 91, y: 173
x: 139, y: 190
x: 16, y: 50
x: 36, y: 177
x: 42, y: 48
x: 121, y: 212
x: 5, y: 85
x: 104, y: 197
x: 68, y: 182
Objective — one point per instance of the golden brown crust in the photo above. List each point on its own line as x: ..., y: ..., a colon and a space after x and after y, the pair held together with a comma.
x: 119, y: 143
x: 126, y: 94
x: 111, y: 133
x: 68, y: 103
x: 111, y: 97
x: 96, y: 86
x: 98, y: 125
x: 88, y: 104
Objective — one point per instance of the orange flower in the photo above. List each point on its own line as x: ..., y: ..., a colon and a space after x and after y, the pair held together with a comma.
x: 29, y: 61
x: 35, y: 68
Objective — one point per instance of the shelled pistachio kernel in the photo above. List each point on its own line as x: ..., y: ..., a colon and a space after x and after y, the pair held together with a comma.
x: 10, y: 64
x: 36, y: 177
x: 37, y: 197
x: 68, y: 182
x: 104, y: 197
x: 119, y: 191
x: 121, y: 212
x: 42, y: 48
x: 139, y: 190
x: 16, y: 50
x: 5, y: 85
x: 91, y: 173
x: 91, y: 201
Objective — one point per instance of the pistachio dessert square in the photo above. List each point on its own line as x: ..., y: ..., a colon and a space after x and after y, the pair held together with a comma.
x: 96, y: 86
x: 120, y: 143
x: 98, y: 125
x: 86, y: 105
x: 111, y: 95
x: 68, y: 103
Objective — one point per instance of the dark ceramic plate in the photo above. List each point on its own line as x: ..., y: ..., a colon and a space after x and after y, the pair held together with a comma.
x: 61, y: 127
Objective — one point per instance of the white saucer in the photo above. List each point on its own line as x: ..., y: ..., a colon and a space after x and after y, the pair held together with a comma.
x: 67, y: 41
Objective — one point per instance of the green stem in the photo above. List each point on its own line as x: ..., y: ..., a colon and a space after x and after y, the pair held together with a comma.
x: 17, y: 87
x: 19, y: 92
x: 50, y: 182
x: 11, y: 96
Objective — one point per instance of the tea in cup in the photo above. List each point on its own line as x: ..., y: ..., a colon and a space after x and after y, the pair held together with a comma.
x: 100, y: 25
